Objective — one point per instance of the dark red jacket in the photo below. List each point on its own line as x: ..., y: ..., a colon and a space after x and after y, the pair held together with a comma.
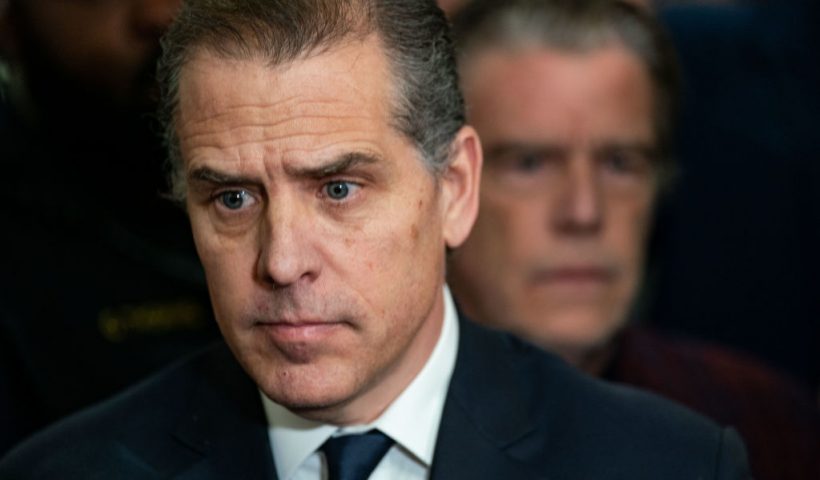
x: 778, y: 421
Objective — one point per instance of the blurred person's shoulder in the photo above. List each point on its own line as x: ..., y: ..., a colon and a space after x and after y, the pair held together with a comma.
x: 584, y: 427
x: 663, y: 360
x: 774, y: 414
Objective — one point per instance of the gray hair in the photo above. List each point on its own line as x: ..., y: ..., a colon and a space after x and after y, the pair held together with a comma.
x: 580, y: 26
x: 428, y: 107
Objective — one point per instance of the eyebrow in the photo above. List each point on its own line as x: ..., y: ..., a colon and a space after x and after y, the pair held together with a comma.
x: 339, y: 165
x: 511, y: 148
x: 209, y: 175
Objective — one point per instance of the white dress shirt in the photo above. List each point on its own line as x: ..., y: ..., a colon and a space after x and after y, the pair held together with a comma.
x: 412, y: 420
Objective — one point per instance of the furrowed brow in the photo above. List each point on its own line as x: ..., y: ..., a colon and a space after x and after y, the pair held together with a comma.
x: 214, y: 177
x: 339, y: 165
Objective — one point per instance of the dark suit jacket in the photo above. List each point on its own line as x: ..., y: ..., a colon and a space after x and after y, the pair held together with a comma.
x: 512, y: 412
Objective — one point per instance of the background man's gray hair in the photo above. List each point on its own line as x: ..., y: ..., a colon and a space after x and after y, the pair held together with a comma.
x: 428, y: 107
x: 579, y: 26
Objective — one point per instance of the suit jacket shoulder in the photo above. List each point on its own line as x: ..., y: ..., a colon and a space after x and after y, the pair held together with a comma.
x: 513, y: 406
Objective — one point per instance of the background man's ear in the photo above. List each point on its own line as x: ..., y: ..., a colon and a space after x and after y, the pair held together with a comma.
x: 460, y: 184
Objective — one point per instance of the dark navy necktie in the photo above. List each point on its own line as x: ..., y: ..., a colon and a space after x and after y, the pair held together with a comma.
x: 354, y: 457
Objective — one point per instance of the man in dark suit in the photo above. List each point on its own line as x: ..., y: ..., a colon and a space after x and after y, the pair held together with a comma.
x: 321, y: 152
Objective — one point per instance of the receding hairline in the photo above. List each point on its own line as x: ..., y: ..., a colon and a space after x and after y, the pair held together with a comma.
x: 258, y: 57
x: 247, y: 44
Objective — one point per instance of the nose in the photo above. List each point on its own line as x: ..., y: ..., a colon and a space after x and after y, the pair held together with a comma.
x: 580, y: 209
x: 286, y: 255
x: 150, y: 18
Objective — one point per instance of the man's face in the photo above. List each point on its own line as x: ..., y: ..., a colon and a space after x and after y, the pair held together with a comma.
x: 568, y: 184
x: 321, y: 231
x: 107, y: 45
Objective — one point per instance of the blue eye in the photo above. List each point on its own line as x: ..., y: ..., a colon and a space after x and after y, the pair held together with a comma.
x: 338, y: 190
x: 233, y: 199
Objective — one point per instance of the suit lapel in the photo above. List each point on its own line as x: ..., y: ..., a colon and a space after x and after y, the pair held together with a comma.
x: 486, y: 422
x: 226, y: 425
x: 485, y: 432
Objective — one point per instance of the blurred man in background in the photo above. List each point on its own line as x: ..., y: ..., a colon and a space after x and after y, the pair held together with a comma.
x: 574, y: 102
x: 100, y: 283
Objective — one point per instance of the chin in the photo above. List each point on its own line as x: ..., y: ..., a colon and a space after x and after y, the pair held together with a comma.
x: 573, y: 335
x: 305, y: 404
x: 318, y: 406
x: 307, y: 390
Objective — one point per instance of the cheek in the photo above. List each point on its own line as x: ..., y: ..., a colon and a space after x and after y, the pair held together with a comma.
x: 382, y: 257
x: 227, y: 285
x: 228, y: 262
x: 489, y: 269
x: 511, y: 229
x: 405, y: 240
x: 629, y: 229
x: 206, y: 239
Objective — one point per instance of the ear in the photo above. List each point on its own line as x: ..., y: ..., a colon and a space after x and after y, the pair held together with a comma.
x: 460, y: 187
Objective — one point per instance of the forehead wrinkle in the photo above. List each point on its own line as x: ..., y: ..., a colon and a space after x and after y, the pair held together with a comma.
x: 213, y: 112
x: 214, y: 134
x: 293, y: 120
x: 260, y: 112
x: 274, y: 142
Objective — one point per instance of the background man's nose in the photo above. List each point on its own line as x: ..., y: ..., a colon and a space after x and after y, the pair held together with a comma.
x: 579, y: 210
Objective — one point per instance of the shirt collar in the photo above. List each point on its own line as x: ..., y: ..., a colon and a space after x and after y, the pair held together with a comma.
x: 412, y: 420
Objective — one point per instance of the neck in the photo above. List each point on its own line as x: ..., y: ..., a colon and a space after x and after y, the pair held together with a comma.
x: 593, y: 361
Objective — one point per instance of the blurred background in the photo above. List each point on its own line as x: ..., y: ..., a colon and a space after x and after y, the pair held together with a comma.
x: 100, y: 284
